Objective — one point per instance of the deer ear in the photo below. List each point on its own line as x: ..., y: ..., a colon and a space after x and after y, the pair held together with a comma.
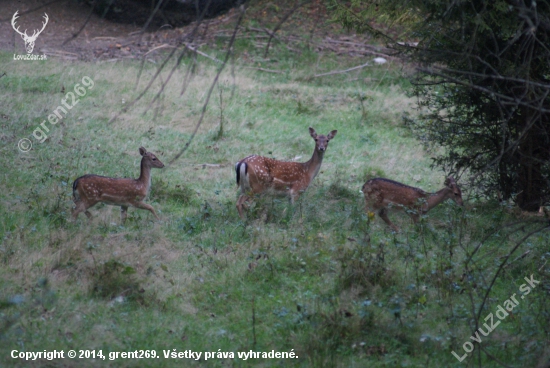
x: 312, y: 132
x: 449, y: 181
x: 332, y: 134
x: 142, y: 151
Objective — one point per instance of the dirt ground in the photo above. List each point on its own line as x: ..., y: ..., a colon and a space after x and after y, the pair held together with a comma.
x: 70, y: 35
x: 100, y: 38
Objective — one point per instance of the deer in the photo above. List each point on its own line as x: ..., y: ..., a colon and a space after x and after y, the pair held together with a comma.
x: 258, y: 174
x: 90, y: 189
x: 381, y: 193
x: 29, y: 40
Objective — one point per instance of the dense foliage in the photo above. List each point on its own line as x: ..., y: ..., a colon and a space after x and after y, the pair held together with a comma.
x: 482, y: 85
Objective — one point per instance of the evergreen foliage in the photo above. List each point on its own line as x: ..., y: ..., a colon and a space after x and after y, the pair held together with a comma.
x: 482, y: 84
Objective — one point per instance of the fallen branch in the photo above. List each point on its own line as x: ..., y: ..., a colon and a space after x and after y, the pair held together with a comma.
x: 203, y: 54
x: 265, y: 70
x: 341, y: 71
x: 187, y: 46
x: 159, y: 47
x: 242, y: 37
x: 260, y: 30
x: 364, y: 52
x: 358, y: 44
x: 53, y: 52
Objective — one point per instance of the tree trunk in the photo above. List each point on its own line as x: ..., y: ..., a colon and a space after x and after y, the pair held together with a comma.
x: 533, y: 152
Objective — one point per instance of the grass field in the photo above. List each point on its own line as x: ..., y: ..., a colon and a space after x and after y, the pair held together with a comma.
x: 321, y: 279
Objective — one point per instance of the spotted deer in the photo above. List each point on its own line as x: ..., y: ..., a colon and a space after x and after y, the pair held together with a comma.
x: 381, y: 193
x: 257, y: 174
x: 88, y: 190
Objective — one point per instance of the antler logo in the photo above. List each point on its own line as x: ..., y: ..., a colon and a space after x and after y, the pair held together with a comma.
x: 29, y: 40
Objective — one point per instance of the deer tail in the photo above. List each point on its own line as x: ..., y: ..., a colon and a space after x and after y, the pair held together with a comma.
x: 76, y: 195
x: 241, y: 170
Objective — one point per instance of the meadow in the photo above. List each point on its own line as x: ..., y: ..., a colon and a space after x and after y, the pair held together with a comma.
x: 323, y: 278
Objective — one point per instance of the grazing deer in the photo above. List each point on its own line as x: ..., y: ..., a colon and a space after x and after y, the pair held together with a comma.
x: 258, y: 174
x: 90, y: 189
x: 379, y: 193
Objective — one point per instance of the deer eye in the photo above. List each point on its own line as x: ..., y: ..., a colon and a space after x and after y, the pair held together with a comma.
x: 154, y: 158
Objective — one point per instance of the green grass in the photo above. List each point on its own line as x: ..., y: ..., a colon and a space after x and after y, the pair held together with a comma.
x: 320, y: 278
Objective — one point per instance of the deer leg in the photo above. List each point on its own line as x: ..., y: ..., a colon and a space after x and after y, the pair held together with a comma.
x: 76, y: 211
x: 293, y: 196
x: 240, y: 202
x: 81, y: 207
x: 384, y: 215
x: 145, y: 206
x: 416, y: 213
x: 123, y: 213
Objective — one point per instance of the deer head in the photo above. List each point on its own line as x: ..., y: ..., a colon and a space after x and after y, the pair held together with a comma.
x: 457, y: 193
x: 321, y: 141
x: 29, y: 40
x: 150, y: 159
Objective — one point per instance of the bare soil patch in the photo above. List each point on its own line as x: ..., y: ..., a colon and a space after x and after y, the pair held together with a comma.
x: 75, y: 33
